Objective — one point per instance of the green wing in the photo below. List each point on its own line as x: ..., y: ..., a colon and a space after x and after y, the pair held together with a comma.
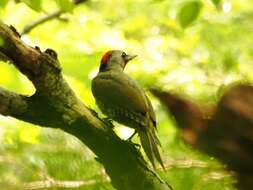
x: 119, y: 90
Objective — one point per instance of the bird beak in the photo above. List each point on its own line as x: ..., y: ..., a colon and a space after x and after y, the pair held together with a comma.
x: 129, y: 57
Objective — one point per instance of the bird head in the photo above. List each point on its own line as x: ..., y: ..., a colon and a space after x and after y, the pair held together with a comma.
x: 115, y: 59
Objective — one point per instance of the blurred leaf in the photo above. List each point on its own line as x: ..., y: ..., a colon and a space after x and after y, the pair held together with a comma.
x: 1, y: 41
x: 230, y: 61
x: 65, y: 5
x: 216, y: 2
x: 3, y: 3
x: 33, y: 4
x: 29, y: 135
x: 6, y: 75
x: 189, y: 12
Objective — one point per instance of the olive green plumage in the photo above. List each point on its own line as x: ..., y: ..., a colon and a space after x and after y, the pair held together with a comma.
x: 123, y: 100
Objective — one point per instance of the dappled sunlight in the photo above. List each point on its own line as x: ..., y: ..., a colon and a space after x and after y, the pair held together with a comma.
x: 123, y: 132
x: 6, y: 75
x: 226, y: 7
x: 81, y: 90
x: 109, y: 39
x: 26, y: 85
x: 29, y: 135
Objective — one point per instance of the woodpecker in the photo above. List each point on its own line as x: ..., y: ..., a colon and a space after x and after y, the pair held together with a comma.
x: 122, y: 99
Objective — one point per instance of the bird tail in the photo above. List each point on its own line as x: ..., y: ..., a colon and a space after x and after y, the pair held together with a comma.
x: 150, y: 143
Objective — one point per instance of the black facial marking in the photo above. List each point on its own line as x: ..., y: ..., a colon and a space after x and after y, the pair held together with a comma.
x: 102, y: 67
x: 123, y: 55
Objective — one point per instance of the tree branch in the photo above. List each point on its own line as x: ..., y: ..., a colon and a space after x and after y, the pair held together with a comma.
x: 55, y: 105
x: 12, y: 103
x: 48, y: 17
x: 28, y: 28
x: 52, y: 183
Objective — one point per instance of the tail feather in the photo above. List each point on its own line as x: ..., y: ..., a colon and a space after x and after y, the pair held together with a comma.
x: 155, y: 144
x: 157, y: 141
x: 150, y: 143
x: 147, y: 146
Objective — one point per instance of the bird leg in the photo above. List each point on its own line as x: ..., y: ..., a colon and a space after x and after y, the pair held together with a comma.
x: 108, y: 121
x: 130, y: 138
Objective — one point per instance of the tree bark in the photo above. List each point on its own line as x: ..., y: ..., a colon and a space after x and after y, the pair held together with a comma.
x: 55, y: 105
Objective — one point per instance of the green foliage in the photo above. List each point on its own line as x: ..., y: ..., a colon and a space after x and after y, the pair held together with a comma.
x: 65, y: 5
x: 36, y: 5
x: 189, y: 12
x: 3, y: 3
x: 216, y: 2
x: 33, y: 4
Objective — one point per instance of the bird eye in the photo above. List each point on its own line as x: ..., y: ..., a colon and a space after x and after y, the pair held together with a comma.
x: 123, y: 55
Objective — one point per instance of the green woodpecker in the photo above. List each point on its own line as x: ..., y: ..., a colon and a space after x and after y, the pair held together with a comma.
x: 123, y: 100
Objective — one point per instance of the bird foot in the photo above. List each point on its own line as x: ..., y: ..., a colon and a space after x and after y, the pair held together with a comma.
x: 108, y: 121
x: 134, y: 144
x: 131, y: 137
x: 93, y: 112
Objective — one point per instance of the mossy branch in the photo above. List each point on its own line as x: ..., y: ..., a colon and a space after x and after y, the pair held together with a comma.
x: 55, y: 105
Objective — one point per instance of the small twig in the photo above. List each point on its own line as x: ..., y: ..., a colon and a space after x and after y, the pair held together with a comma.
x: 40, y: 21
x: 52, y: 183
x: 46, y: 18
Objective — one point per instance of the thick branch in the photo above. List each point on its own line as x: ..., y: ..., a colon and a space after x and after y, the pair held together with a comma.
x: 34, y: 109
x: 24, y: 57
x: 55, y: 105
x: 12, y: 103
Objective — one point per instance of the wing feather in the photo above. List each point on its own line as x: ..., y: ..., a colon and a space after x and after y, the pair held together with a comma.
x: 119, y: 90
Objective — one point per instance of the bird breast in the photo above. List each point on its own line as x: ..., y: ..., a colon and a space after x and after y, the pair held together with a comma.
x: 120, y: 98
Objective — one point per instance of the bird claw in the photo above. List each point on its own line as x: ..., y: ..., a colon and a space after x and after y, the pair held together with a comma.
x: 131, y: 137
x: 93, y: 112
x: 134, y: 144
x: 129, y: 140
